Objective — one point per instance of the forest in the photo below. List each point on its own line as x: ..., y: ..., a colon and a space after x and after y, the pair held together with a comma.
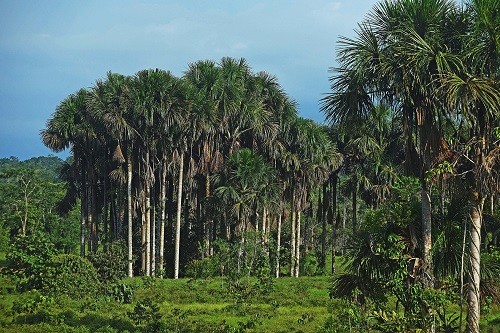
x: 205, y: 203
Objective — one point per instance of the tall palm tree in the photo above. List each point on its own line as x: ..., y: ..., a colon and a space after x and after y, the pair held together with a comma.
x: 203, y: 78
x: 309, y: 160
x: 399, y: 50
x: 474, y: 93
x: 69, y: 127
x: 109, y: 104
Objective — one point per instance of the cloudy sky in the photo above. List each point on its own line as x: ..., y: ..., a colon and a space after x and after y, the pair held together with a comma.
x: 50, y: 49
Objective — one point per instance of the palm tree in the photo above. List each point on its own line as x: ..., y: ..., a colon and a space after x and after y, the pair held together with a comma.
x: 309, y: 160
x: 399, y: 50
x: 69, y: 128
x: 109, y: 103
x: 203, y: 78
x: 473, y: 92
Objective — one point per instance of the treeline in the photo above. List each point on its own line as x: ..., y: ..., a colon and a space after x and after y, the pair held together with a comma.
x: 30, y: 192
x: 173, y: 164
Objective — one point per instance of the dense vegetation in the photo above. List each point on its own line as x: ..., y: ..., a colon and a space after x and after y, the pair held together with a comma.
x: 214, y: 177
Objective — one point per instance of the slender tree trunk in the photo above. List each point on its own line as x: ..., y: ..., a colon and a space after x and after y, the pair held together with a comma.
x: 144, y: 258
x: 321, y: 220
x: 278, y: 245
x: 332, y: 209
x: 427, y: 233
x: 83, y: 209
x: 462, y: 259
x: 293, y: 243
x: 130, y: 231
x: 147, y: 215
x: 297, y: 247
x: 120, y: 210
x: 163, y: 197
x: 265, y: 223
x: 153, y: 239
x: 354, y: 207
x: 93, y: 216
x: 335, y: 227
x: 178, y: 221
x: 208, y: 227
x: 474, y: 264
x: 105, y: 220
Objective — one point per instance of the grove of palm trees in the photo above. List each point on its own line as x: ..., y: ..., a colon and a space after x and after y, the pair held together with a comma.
x: 393, y: 204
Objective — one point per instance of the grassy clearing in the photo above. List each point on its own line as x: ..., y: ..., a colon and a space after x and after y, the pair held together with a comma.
x: 186, y: 305
x: 293, y: 305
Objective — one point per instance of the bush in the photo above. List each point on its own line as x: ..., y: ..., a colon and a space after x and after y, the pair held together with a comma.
x: 121, y: 293
x: 203, y: 268
x: 111, y: 264
x: 27, y: 257
x: 69, y: 274
x: 146, y: 316
x: 309, y: 265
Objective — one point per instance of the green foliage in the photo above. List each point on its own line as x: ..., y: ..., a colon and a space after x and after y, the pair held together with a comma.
x: 27, y: 258
x: 490, y: 276
x: 345, y: 317
x: 309, y: 265
x: 382, y: 267
x: 203, y: 268
x: 70, y: 275
x: 248, y: 257
x: 496, y: 131
x: 111, y: 262
x: 28, y: 200
x: 146, y: 314
x: 31, y: 302
x: 293, y: 305
x: 439, y: 170
x: 4, y: 236
x: 121, y: 292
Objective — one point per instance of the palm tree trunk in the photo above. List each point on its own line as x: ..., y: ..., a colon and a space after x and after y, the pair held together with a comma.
x: 147, y: 215
x: 354, y: 207
x: 143, y: 234
x: 335, y: 222
x: 474, y: 264
x: 129, y: 213
x: 462, y: 258
x: 208, y: 228
x: 105, y: 220
x: 83, y: 210
x: 92, y: 217
x: 153, y: 238
x: 178, y: 221
x: 264, y: 238
x: 293, y: 243
x: 297, y: 247
x: 278, y: 245
x: 321, y: 220
x: 163, y: 197
x: 427, y: 233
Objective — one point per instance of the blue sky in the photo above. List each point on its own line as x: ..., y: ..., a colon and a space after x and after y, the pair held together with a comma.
x: 50, y: 49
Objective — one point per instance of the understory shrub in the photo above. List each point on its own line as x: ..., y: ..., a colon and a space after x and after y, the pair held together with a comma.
x: 26, y: 259
x: 69, y: 274
x: 249, y: 257
x: 110, y: 263
x: 120, y: 292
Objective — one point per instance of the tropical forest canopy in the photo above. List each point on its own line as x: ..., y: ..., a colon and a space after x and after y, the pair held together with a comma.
x: 214, y: 173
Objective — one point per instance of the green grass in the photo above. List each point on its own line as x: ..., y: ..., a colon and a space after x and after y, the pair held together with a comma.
x: 185, y: 305
x: 294, y: 305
